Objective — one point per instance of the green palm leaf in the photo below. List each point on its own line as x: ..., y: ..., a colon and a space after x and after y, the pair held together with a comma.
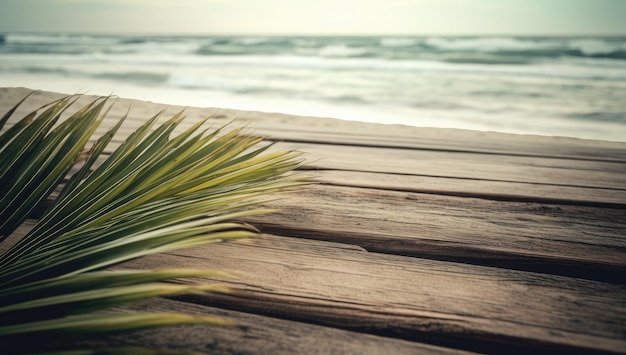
x: 156, y: 192
x: 57, y: 333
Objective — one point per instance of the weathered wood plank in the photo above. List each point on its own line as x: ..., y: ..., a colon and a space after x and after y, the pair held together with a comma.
x: 454, y: 305
x: 575, y: 241
x: 556, y: 189
x: 542, y: 193
x: 499, y: 168
x: 568, y: 220
x: 457, y: 305
x: 476, y: 188
x: 567, y: 181
x: 428, y: 161
x: 503, y: 177
x: 457, y: 141
x: 255, y: 334
x: 565, y: 240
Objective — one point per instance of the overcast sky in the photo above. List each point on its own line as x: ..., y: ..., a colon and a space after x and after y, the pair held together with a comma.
x: 316, y: 16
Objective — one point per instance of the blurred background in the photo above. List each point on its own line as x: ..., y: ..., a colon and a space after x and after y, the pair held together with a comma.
x: 550, y: 67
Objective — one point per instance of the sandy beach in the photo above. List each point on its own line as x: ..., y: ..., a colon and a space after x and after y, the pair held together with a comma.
x: 414, y: 240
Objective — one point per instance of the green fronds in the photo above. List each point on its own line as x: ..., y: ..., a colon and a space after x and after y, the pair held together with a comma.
x: 156, y: 192
x: 61, y: 335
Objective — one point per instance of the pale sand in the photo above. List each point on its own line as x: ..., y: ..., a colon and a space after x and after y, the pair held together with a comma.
x: 300, y: 128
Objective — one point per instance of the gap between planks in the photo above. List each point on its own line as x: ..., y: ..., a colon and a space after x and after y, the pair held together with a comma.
x: 257, y: 334
x: 461, y: 306
x: 574, y: 241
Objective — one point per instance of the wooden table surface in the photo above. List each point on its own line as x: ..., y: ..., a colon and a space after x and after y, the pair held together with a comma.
x: 412, y: 241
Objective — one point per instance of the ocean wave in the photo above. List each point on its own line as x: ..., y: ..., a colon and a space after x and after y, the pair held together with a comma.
x: 563, y: 70
x: 470, y: 50
x: 42, y: 70
x: 594, y: 47
x: 343, y: 51
x: 619, y: 54
x: 341, y: 60
x: 251, y: 41
x: 494, y: 82
x: 489, y: 60
x: 613, y: 48
x: 17, y: 38
x: 153, y: 48
x: 484, y: 44
x: 602, y: 116
x: 135, y: 77
x: 222, y: 49
x: 140, y: 77
x: 241, y: 86
x: 399, y: 41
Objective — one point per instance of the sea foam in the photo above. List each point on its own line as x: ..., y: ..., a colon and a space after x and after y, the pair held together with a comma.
x: 573, y: 86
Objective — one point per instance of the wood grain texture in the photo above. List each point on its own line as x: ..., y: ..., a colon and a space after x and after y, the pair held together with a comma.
x: 457, y: 305
x: 504, y: 168
x: 256, y: 334
x: 414, y: 240
x: 574, y: 241
x: 476, y: 188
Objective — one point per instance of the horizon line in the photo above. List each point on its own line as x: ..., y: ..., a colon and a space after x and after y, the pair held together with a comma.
x: 276, y: 34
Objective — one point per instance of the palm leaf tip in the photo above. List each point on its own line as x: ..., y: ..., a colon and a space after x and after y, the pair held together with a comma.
x: 153, y: 192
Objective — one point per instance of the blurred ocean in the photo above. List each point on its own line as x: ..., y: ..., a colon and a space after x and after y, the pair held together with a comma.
x: 562, y: 86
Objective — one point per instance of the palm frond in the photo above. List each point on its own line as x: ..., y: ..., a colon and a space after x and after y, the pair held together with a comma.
x: 156, y: 192
x: 35, y: 156
x: 62, y: 334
